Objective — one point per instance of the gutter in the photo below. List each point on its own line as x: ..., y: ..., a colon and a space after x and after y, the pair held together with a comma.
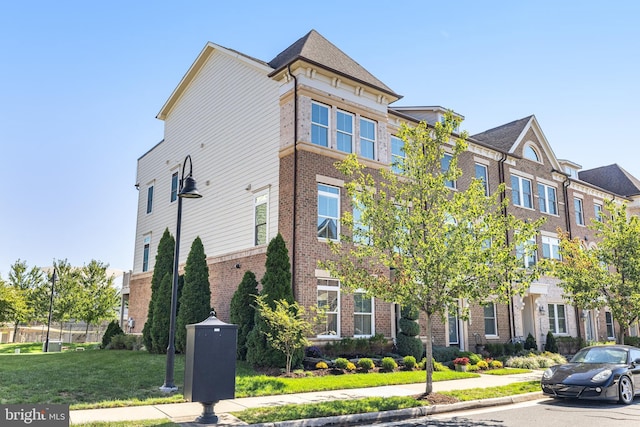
x: 295, y: 180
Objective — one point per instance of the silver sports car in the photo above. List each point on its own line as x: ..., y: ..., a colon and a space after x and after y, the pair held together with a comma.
x: 608, y: 372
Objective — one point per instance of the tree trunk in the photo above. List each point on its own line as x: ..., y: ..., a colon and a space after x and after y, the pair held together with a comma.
x: 15, y: 331
x: 429, y: 355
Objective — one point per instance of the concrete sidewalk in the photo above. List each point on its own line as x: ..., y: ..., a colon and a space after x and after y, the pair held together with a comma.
x: 186, y: 413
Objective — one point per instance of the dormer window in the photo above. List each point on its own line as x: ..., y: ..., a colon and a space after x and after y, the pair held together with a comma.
x: 531, y: 154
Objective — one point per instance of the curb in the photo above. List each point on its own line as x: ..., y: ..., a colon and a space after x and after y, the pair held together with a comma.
x: 402, y: 414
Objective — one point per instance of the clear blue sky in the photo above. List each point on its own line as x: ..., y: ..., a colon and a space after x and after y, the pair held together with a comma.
x: 82, y: 81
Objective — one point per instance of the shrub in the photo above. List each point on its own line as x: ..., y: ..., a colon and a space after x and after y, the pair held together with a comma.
x: 551, y: 345
x: 530, y: 343
x: 362, y: 346
x: 125, y: 342
x: 473, y: 358
x: 495, y: 364
x: 409, y: 346
x: 351, y: 367
x: 634, y: 341
x: 494, y: 349
x: 112, y: 329
x: 439, y: 367
x: 243, y: 312
x: 445, y: 354
x: 518, y: 347
x: 313, y: 351
x: 534, y: 361
x: 409, y: 362
x: 341, y: 363
x: 461, y: 361
x: 345, y: 347
x: 472, y: 368
x: 388, y: 364
x: 510, y: 348
x: 365, y: 364
x: 322, y: 365
x: 408, y: 342
x: 377, y: 343
x: 483, y: 364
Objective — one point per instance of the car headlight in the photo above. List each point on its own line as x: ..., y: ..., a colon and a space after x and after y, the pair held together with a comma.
x: 547, y: 374
x: 601, y: 376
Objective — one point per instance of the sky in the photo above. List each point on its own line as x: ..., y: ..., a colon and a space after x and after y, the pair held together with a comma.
x: 82, y: 81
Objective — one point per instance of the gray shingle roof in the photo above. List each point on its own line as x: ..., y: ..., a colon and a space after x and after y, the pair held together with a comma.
x: 612, y: 178
x: 502, y: 137
x: 316, y: 49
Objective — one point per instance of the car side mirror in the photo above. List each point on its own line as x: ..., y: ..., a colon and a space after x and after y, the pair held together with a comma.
x: 637, y: 361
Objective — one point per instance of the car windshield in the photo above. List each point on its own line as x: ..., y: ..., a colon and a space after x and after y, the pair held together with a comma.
x: 600, y: 355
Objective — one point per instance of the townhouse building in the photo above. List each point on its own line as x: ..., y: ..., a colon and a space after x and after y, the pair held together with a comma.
x: 263, y: 138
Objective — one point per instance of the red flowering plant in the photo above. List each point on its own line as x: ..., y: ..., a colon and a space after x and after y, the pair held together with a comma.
x: 461, y: 361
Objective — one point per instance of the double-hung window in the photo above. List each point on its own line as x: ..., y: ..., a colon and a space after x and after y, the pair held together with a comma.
x: 328, y: 300
x: 319, y: 124
x: 328, y: 212
x: 344, y: 131
x: 577, y: 207
x: 145, y: 252
x: 557, y: 319
x: 521, y: 192
x: 150, y: 199
x: 367, y: 138
x: 611, y: 333
x: 547, y: 199
x: 174, y: 187
x: 483, y: 176
x: 550, y: 247
x: 490, y: 320
x: 445, y: 164
x: 527, y: 253
x: 597, y: 208
x: 260, y: 204
x: 360, y: 230
x: 362, y: 314
x: 397, y: 154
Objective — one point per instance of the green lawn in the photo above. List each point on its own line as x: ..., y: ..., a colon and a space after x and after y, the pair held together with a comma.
x: 110, y: 378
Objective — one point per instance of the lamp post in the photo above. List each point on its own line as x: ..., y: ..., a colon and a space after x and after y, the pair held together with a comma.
x: 187, y: 190
x: 53, y: 285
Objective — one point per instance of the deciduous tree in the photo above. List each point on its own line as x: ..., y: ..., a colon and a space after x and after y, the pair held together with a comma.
x: 608, y: 273
x: 99, y: 295
x: 25, y: 281
x: 444, y: 245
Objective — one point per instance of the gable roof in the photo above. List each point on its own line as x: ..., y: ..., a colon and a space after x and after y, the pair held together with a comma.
x: 317, y: 50
x: 612, y: 178
x: 503, y: 137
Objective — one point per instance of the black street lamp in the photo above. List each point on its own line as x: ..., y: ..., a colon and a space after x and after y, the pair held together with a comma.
x: 53, y: 285
x: 186, y: 190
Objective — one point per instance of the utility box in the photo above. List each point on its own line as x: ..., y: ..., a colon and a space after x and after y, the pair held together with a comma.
x: 210, y: 361
x: 53, y: 346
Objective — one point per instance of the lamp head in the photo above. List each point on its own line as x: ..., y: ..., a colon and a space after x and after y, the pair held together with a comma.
x: 189, y: 191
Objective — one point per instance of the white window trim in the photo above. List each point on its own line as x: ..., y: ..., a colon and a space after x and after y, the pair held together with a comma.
x: 148, y: 207
x: 495, y: 321
x: 613, y: 325
x: 454, y: 182
x: 256, y: 196
x: 556, y: 326
x: 334, y: 196
x: 327, y: 127
x: 338, y: 311
x: 486, y: 177
x: 176, y: 174
x: 146, y: 244
x: 372, y: 141
x: 546, y: 188
x: 352, y: 134
x: 535, y: 149
x: 549, y: 240
x: 372, y: 314
x: 521, y: 192
x: 581, y: 222
x: 396, y: 156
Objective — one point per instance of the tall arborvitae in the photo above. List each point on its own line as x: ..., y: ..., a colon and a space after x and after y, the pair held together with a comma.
x: 243, y: 311
x: 161, y: 319
x: 276, y: 285
x: 163, y: 265
x: 195, y: 301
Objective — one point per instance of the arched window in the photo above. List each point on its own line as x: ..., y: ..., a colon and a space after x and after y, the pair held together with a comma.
x: 531, y: 154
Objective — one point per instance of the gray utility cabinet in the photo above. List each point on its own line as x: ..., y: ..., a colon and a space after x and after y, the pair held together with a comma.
x: 210, y: 361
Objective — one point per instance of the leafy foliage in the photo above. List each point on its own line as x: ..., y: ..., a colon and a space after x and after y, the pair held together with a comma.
x: 27, y: 291
x: 195, y: 299
x: 608, y: 274
x: 99, y: 296
x: 388, y: 364
x: 163, y: 265
x: 243, y: 311
x: 276, y: 286
x: 550, y: 345
x: 442, y: 245
x: 287, y: 328
x: 112, y: 330
x: 408, y: 341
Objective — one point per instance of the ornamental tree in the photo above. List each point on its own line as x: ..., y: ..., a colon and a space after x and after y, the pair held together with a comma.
x: 195, y: 301
x: 443, y: 246
x: 607, y: 274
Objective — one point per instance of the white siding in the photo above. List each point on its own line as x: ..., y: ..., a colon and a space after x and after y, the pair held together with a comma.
x: 227, y: 119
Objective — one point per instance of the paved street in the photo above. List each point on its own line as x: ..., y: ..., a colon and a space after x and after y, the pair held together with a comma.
x: 544, y: 412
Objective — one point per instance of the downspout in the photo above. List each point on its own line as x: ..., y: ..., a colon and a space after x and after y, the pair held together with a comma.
x: 295, y: 180
x: 567, y: 219
x: 511, y: 308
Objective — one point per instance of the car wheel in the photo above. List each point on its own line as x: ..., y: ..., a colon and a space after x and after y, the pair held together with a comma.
x: 625, y: 390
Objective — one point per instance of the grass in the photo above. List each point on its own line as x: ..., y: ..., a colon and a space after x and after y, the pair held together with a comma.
x: 143, y: 423
x: 372, y: 404
x: 36, y: 347
x: 116, y: 378
x: 506, y: 371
